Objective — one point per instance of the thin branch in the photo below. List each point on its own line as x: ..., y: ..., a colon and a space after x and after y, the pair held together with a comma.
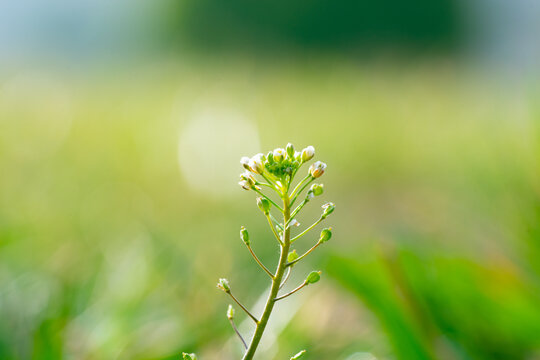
x: 290, y: 293
x: 269, y: 181
x: 302, y: 189
x: 267, y: 198
x: 298, y: 186
x: 238, y: 333
x: 243, y: 308
x: 289, y: 269
x: 259, y: 262
x: 274, y: 230
x: 277, y: 222
x: 298, y: 208
x: 305, y: 231
x: 304, y: 255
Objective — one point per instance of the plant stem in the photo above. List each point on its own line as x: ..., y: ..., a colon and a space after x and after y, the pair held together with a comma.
x: 276, y: 282
x: 305, y: 231
x: 289, y: 269
x: 243, y: 307
x: 267, y: 198
x: 274, y: 230
x: 238, y: 332
x: 291, y: 292
x: 305, y: 254
x: 259, y: 262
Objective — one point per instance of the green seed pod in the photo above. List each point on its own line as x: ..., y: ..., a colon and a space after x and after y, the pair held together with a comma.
x: 299, y: 355
x: 264, y: 205
x: 290, y: 150
x: 223, y: 284
x: 244, y: 235
x: 326, y: 234
x: 189, y: 356
x: 317, y: 189
x: 293, y: 255
x: 313, y: 277
x: 230, y: 312
x: 328, y: 208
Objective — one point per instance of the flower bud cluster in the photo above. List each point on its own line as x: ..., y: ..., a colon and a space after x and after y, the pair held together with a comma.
x: 187, y: 356
x: 279, y: 163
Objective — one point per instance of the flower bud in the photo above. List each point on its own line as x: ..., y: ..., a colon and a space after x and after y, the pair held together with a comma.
x: 326, y: 234
x: 299, y: 355
x: 247, y: 181
x: 313, y: 277
x: 223, y: 284
x: 328, y: 208
x: 270, y: 157
x: 244, y: 235
x: 244, y: 161
x: 298, y: 156
x: 230, y: 312
x: 244, y: 184
x: 317, y: 189
x: 264, y: 205
x: 317, y: 169
x: 256, y: 163
x: 294, y: 222
x: 293, y: 255
x: 290, y: 150
x: 279, y: 154
x: 308, y: 153
x: 189, y: 356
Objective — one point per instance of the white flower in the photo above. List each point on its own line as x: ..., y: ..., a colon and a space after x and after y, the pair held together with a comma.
x: 308, y: 153
x: 244, y: 161
x: 244, y: 184
x: 317, y: 169
x: 256, y: 163
x: 279, y: 154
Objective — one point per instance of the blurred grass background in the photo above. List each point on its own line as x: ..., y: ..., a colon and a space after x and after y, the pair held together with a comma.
x: 119, y: 207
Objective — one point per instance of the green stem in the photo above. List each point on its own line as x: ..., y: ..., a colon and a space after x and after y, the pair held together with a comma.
x: 305, y: 231
x: 291, y: 292
x: 243, y: 307
x: 259, y: 262
x: 277, y: 222
x: 238, y: 332
x: 298, y: 186
x: 274, y: 230
x: 289, y: 269
x: 302, y: 189
x: 276, y: 282
x: 267, y: 198
x: 306, y: 254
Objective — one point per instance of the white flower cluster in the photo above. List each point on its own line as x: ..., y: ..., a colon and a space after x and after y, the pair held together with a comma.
x: 280, y: 165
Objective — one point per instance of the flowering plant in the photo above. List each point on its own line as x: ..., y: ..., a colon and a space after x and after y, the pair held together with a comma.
x: 278, y: 169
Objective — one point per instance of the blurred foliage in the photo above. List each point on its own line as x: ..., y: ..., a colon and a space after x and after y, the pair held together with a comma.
x: 270, y: 26
x: 110, y: 250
